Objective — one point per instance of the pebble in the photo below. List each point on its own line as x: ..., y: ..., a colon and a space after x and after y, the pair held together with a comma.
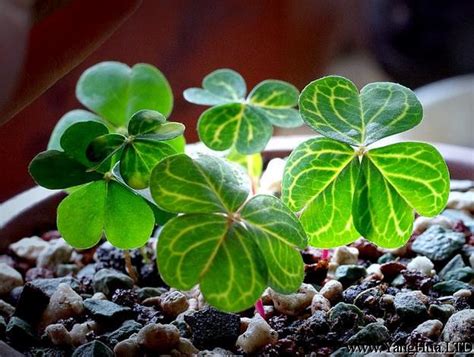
x: 79, y: 332
x: 20, y: 333
x: 58, y: 335
x: 464, y: 216
x: 258, y: 334
x: 459, y: 327
x: 430, y: 328
x: 99, y: 296
x: 438, y: 243
x: 455, y: 263
x: 108, y: 280
x: 465, y: 274
x: 441, y: 312
x: 450, y: 287
x: 372, y: 334
x: 421, y: 223
x: 186, y: 347
x: 57, y: 252
x: 158, y: 338
x: 6, y: 310
x: 293, y: 304
x: 128, y: 348
x: 211, y: 328
x: 463, y: 293
x: 173, y: 303
x: 320, y: 303
x: 64, y: 303
x: 7, y: 351
x: 422, y: 265
x: 408, y: 305
x: 346, y: 314
x: 345, y: 255
x: 375, y: 271
x: 66, y: 269
x: 332, y: 290
x: 127, y: 329
x: 316, y: 324
x: 461, y: 201
x: 148, y: 292
x: 348, y: 274
x: 93, y: 349
x: 29, y: 248
x: 391, y: 269
x: 3, y: 327
x: 9, y: 279
x: 471, y: 260
x: 107, y: 312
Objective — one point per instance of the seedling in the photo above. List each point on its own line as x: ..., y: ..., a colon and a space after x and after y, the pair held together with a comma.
x: 342, y: 193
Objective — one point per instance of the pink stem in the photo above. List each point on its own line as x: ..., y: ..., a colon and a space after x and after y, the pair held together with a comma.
x: 325, y: 254
x: 260, y: 309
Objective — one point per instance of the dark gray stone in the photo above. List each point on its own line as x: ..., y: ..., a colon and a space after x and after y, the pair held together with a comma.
x: 409, y: 306
x: 458, y: 215
x: 387, y: 257
x: 7, y: 351
x: 127, y: 329
x: 107, y: 312
x: 438, y: 243
x: 148, y: 292
x: 459, y: 327
x: 108, y: 280
x: 441, y: 312
x: 3, y: 327
x: 344, y: 352
x: 449, y: 287
x: 372, y: 334
x: 93, y: 349
x: 211, y: 328
x: 465, y: 274
x: 456, y: 263
x: 346, y: 315
x: 20, y: 333
x: 348, y: 274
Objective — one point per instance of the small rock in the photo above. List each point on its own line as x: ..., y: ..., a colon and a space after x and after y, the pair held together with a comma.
x: 173, y: 303
x: 344, y: 352
x: 449, y: 287
x: 422, y: 265
x: 107, y: 312
x: 346, y: 315
x: 20, y: 333
x: 345, y: 255
x: 58, y: 335
x: 438, y: 243
x: 441, y: 312
x: 6, y: 310
x: 211, y: 328
x: 372, y: 334
x: 314, y: 325
x: 294, y: 304
x: 463, y: 293
x: 391, y: 269
x: 459, y: 327
x: 465, y: 274
x: 127, y: 348
x: 109, y: 280
x: 9, y: 279
x: 387, y: 257
x: 320, y: 303
x: 93, y: 349
x: 79, y: 332
x: 99, y: 296
x: 158, y: 338
x: 457, y: 215
x: 66, y: 269
x: 408, y: 305
x: 375, y: 272
x: 471, y: 260
x: 29, y: 248
x: 8, y: 351
x: 367, y: 250
x: 421, y: 223
x: 147, y: 292
x: 127, y: 329
x: 456, y: 263
x: 57, y: 252
x: 186, y: 347
x: 3, y: 327
x: 38, y: 273
x: 348, y: 274
x: 64, y: 303
x: 332, y: 290
x: 461, y: 201
x: 258, y: 334
x: 430, y: 328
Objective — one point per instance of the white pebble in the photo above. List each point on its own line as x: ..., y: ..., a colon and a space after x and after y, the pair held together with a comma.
x: 462, y: 293
x: 58, y: 335
x: 9, y: 279
x: 57, y: 252
x: 461, y: 200
x: 79, y: 332
x: 320, y: 303
x: 345, y: 255
x: 422, y: 265
x: 421, y: 223
x: 258, y: 334
x: 293, y: 304
x: 270, y: 182
x: 29, y: 248
x: 99, y: 296
x: 430, y: 328
x: 332, y: 290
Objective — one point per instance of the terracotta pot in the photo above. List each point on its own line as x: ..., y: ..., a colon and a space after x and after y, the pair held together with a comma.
x: 34, y: 211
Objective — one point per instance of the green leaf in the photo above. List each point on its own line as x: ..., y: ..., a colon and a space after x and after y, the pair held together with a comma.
x: 105, y: 207
x: 115, y: 91
x: 166, y: 131
x: 178, y: 144
x: 380, y: 214
x: 76, y: 139
x: 225, y: 83
x: 253, y: 164
x: 311, y: 168
x: 278, y: 234
x: 333, y: 107
x: 56, y: 170
x: 68, y: 119
x: 236, y: 125
x: 204, y: 97
x: 205, y: 184
x: 283, y: 118
x: 226, y: 263
x: 273, y: 94
x: 417, y: 172
x: 138, y: 159
x: 145, y: 122
x: 104, y: 146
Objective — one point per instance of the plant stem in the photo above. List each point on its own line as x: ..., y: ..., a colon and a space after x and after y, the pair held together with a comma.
x: 260, y: 309
x: 129, y: 267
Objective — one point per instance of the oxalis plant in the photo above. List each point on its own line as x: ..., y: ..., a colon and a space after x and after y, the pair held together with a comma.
x: 124, y: 167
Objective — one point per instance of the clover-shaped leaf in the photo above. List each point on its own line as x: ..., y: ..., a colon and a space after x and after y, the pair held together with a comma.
x: 239, y: 122
x: 342, y: 193
x: 231, y: 247
x: 141, y: 149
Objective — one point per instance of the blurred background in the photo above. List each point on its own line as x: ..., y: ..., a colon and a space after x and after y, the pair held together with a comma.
x: 45, y: 45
